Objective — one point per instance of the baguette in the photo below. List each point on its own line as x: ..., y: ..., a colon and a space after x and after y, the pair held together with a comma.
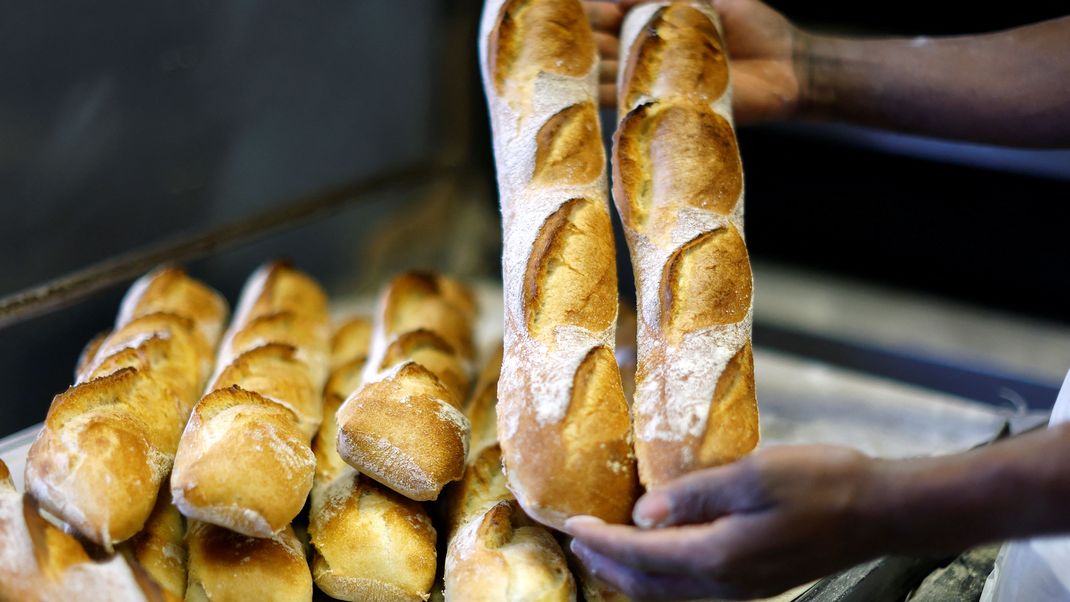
x: 495, y: 551
x: 261, y: 411
x: 38, y: 562
x: 369, y: 543
x: 678, y: 185
x: 403, y: 427
x: 562, y: 418
x: 109, y: 441
x: 225, y: 566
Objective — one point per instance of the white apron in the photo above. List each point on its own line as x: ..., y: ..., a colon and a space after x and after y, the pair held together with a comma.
x: 1038, y: 569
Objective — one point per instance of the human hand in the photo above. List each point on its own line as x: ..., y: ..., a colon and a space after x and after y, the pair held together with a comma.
x: 766, y: 54
x: 776, y: 519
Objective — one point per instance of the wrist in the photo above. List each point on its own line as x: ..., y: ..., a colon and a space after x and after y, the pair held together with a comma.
x: 814, y: 59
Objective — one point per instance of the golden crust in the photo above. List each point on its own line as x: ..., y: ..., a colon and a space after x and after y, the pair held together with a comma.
x: 274, y: 372
x: 95, y: 433
x: 482, y: 486
x: 404, y: 432
x: 571, y: 276
x: 595, y: 449
x: 434, y: 353
x: 225, y: 566
x: 569, y: 147
x: 287, y: 289
x: 503, y: 555
x: 670, y: 156
x: 179, y: 357
x: 236, y: 432
x: 424, y: 301
x: 706, y: 282
x: 169, y: 290
x: 40, y: 562
x: 371, y: 543
x: 731, y: 429
x: 534, y: 36
x: 284, y: 328
x: 679, y: 53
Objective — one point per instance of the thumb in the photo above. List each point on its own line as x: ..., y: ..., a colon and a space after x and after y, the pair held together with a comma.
x: 699, y: 497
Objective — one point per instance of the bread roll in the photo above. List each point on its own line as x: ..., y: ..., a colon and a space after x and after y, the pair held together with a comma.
x: 169, y: 290
x: 160, y: 547
x: 262, y: 410
x: 38, y: 562
x: 678, y: 186
x: 109, y: 441
x: 562, y: 419
x: 369, y: 542
x: 403, y: 427
x: 495, y: 551
x: 234, y: 434
x: 229, y: 567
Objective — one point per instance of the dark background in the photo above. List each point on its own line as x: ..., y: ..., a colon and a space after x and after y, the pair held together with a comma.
x: 124, y: 123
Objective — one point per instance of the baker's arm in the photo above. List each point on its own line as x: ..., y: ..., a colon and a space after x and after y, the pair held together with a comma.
x: 787, y: 515
x: 1011, y: 87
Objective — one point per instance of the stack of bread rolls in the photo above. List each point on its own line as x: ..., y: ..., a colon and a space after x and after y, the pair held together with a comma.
x: 263, y: 406
x: 109, y: 441
x: 562, y: 419
x: 369, y: 543
x: 678, y: 185
x: 403, y: 427
x: 245, y: 464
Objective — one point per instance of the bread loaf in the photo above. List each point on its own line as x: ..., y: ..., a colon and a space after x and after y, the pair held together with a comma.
x: 261, y: 411
x: 229, y: 567
x: 38, y: 562
x: 160, y: 547
x: 678, y: 186
x: 403, y: 427
x: 369, y: 542
x: 495, y: 551
x: 109, y: 441
x: 562, y: 419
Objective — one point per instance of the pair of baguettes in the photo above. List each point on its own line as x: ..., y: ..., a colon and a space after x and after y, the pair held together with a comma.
x: 564, y: 426
x: 109, y: 441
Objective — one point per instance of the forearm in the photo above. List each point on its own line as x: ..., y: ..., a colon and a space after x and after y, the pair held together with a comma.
x: 1013, y: 489
x: 1010, y: 87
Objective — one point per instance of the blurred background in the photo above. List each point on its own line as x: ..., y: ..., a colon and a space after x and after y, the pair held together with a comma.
x: 133, y: 124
